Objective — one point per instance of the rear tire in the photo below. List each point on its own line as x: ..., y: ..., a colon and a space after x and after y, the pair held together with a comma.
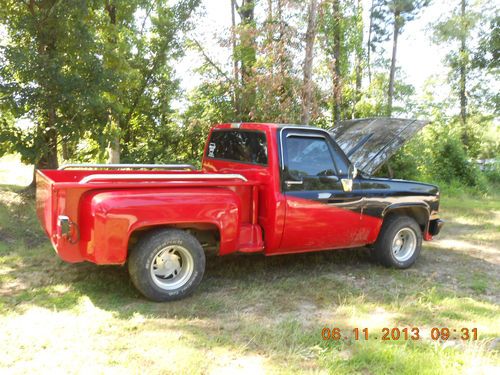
x: 167, y: 264
x: 399, y: 242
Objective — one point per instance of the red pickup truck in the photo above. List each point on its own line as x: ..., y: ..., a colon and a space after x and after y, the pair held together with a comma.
x: 263, y: 188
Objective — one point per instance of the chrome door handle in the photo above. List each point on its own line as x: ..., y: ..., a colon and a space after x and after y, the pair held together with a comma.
x: 294, y: 182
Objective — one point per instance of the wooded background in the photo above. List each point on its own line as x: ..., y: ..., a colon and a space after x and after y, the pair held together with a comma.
x: 95, y: 81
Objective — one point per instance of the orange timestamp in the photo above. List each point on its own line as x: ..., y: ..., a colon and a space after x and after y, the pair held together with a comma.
x: 395, y: 334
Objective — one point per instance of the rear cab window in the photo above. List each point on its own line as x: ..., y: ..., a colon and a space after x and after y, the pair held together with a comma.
x: 241, y: 146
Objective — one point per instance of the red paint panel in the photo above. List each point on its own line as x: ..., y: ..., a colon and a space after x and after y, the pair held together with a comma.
x: 112, y: 216
x: 312, y: 225
x: 44, y: 203
x: 270, y: 201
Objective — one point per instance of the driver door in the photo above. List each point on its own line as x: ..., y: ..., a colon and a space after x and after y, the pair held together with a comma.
x: 319, y: 213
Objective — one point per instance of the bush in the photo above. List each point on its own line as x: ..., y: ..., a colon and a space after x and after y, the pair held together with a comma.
x: 438, y: 156
x: 450, y: 162
x: 493, y: 174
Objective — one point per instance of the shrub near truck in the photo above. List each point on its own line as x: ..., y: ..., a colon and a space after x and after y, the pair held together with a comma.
x: 266, y: 188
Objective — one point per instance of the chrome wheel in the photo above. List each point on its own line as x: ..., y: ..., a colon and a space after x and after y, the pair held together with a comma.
x: 172, y: 267
x: 404, y: 244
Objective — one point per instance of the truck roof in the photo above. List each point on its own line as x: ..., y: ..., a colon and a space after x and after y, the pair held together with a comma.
x: 367, y: 142
x: 261, y: 125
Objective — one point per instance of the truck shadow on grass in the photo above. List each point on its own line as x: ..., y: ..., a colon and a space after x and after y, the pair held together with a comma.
x: 247, y: 284
x: 255, y: 304
x: 33, y: 274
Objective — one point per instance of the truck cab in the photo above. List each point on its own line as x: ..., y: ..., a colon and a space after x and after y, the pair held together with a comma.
x: 311, y: 197
x: 267, y: 188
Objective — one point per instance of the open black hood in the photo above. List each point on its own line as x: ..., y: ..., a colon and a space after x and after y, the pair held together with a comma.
x: 370, y: 142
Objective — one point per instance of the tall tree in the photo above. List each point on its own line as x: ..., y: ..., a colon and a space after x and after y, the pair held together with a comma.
x: 246, y: 56
x: 113, y: 117
x: 340, y: 37
x: 136, y: 58
x: 378, y: 31
x: 337, y: 88
x: 463, y: 70
x: 369, y: 41
x: 358, y: 58
x: 72, y: 68
x: 307, y: 86
x: 458, y: 31
x: 401, y: 11
x: 236, y: 78
x: 50, y: 76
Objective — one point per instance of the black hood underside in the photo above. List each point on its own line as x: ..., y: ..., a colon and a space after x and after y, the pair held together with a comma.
x: 370, y: 142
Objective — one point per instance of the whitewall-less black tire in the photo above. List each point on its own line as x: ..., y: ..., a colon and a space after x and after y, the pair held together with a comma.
x: 166, y: 264
x: 399, y: 242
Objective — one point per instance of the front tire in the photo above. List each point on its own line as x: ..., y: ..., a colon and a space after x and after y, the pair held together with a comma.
x: 399, y: 242
x: 166, y: 264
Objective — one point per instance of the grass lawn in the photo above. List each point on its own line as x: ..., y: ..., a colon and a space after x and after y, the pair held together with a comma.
x: 252, y: 314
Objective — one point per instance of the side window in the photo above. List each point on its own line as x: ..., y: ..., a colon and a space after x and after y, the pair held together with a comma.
x: 308, y: 157
x: 243, y: 146
x: 309, y: 161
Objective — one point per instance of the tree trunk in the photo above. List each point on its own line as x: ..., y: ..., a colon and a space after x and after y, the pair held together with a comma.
x: 308, y: 63
x: 114, y: 144
x: 337, y: 84
x: 114, y: 150
x: 248, y: 56
x: 359, y: 56
x: 48, y: 160
x: 46, y: 131
x: 369, y: 44
x: 463, y: 78
x: 236, y: 79
x: 281, y: 45
x: 393, y: 63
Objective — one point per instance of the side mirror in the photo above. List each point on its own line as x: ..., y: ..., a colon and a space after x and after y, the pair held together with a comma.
x: 347, y: 184
x: 351, y: 175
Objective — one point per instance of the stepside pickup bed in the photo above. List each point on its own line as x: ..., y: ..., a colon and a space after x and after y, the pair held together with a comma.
x: 266, y: 188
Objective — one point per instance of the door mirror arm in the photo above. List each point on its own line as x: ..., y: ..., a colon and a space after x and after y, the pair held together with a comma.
x: 327, y: 179
x: 352, y: 172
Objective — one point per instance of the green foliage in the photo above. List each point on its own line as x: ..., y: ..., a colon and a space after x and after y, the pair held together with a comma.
x: 77, y: 76
x: 492, y: 173
x: 88, y: 70
x: 386, y: 12
x: 50, y: 73
x: 438, y: 155
x: 450, y: 162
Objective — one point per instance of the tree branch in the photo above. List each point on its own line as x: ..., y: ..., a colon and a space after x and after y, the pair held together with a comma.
x: 211, y: 62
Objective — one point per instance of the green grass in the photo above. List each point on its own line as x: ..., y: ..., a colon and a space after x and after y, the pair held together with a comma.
x: 253, y: 313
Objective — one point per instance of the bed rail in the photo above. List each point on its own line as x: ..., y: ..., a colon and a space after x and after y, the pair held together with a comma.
x: 127, y: 166
x: 200, y: 176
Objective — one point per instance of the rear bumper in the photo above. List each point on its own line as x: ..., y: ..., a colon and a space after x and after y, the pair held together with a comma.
x: 435, y: 226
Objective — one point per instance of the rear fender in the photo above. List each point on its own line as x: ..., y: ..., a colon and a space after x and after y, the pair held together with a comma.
x: 116, y: 214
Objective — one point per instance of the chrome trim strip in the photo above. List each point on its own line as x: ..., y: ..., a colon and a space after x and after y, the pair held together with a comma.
x: 128, y: 166
x: 305, y: 135
x: 207, y: 176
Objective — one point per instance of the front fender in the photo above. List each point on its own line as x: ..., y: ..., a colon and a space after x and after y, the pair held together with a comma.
x: 420, y: 211
x: 421, y: 206
x: 116, y: 214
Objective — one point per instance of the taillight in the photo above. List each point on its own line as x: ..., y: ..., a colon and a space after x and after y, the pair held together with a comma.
x: 67, y: 229
x: 63, y: 226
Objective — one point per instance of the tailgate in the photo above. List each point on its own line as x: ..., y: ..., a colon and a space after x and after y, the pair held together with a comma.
x: 45, y: 202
